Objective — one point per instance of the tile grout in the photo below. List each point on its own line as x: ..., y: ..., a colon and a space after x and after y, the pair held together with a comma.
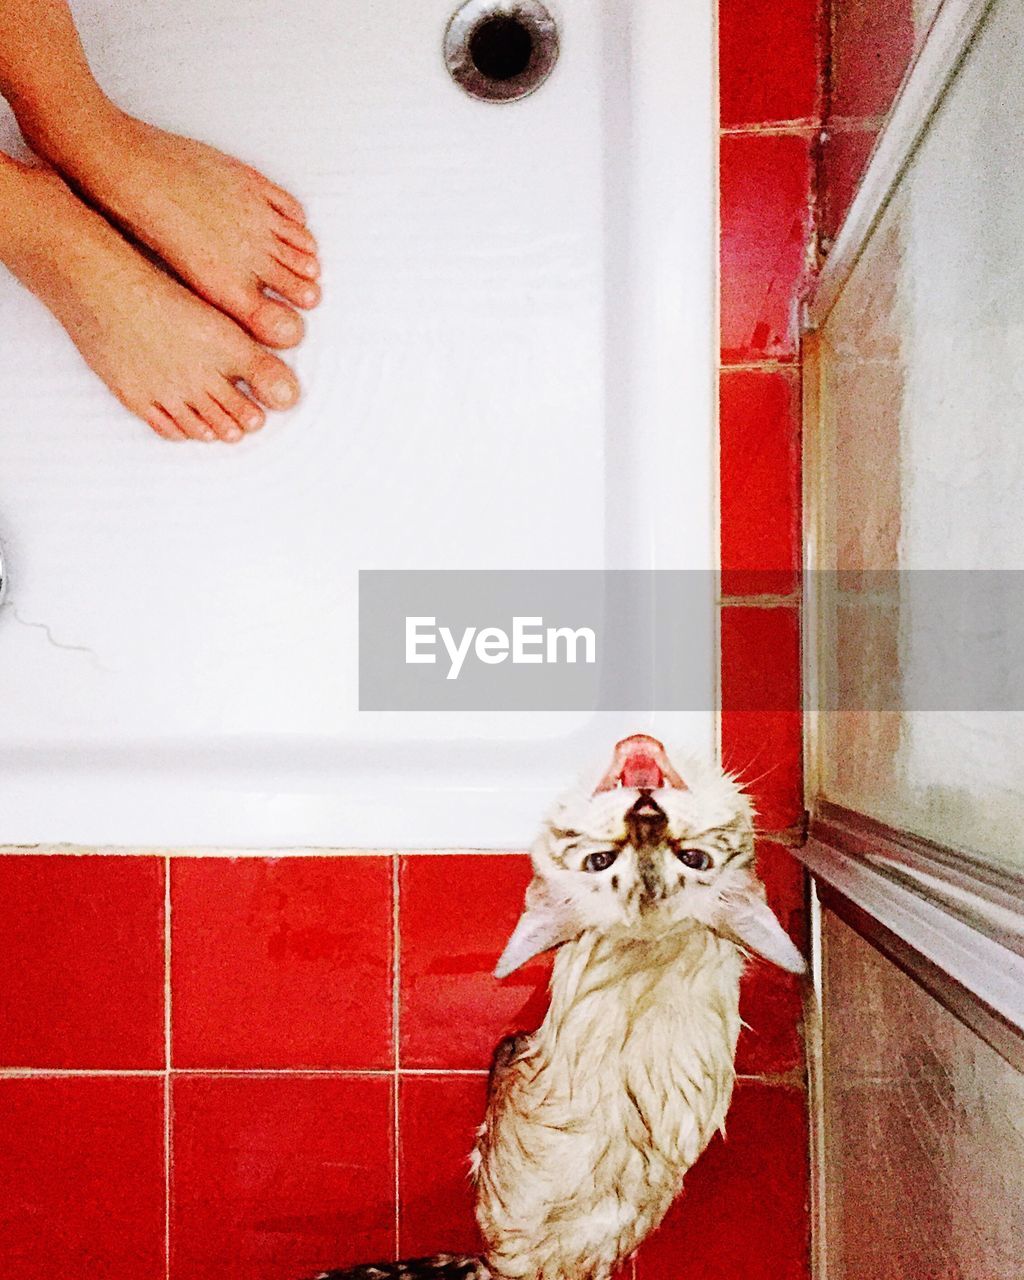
x: 310, y: 1073
x: 767, y: 365
x: 159, y: 1073
x: 762, y: 600
x: 802, y: 127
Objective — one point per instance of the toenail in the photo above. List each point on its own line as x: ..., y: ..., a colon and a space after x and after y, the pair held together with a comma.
x: 252, y: 418
x: 234, y: 433
x: 287, y: 327
x: 308, y: 296
x: 282, y: 393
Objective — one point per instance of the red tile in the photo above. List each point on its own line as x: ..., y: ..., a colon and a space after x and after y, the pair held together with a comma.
x: 744, y: 1209
x: 759, y: 461
x: 765, y: 233
x: 768, y: 60
x: 82, y: 1178
x: 279, y: 1177
x: 281, y: 962
x: 844, y: 157
x: 771, y: 1001
x: 761, y: 719
x: 784, y: 878
x: 871, y: 47
x: 438, y: 1119
x: 457, y: 912
x: 81, y: 961
x: 771, y: 1006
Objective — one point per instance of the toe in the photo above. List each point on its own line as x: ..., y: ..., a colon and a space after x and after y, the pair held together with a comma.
x: 268, y: 320
x: 272, y: 382
x: 162, y: 423
x: 284, y: 202
x: 306, y: 265
x: 190, y: 421
x: 296, y: 234
x: 218, y: 417
x: 294, y: 288
x: 249, y: 416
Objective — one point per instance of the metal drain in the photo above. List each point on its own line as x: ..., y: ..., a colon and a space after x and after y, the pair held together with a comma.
x: 501, y: 50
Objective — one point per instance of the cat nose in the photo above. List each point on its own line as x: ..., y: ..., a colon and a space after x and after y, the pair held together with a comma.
x: 652, y: 887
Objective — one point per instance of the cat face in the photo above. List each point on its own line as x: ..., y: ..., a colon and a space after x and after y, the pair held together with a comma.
x: 646, y: 851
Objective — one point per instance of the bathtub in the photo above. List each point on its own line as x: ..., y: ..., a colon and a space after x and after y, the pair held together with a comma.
x: 512, y: 369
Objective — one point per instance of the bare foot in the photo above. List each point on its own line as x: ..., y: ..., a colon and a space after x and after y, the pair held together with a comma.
x: 225, y: 229
x: 167, y: 356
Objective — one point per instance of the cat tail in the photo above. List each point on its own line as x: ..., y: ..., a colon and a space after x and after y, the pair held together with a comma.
x: 440, y: 1266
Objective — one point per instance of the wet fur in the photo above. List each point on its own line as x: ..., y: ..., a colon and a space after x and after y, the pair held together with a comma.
x: 593, y: 1119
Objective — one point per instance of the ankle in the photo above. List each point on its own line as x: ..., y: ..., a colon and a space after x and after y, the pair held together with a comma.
x: 28, y: 194
x: 67, y: 134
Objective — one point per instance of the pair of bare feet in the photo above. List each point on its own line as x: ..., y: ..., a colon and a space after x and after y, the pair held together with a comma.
x: 181, y: 342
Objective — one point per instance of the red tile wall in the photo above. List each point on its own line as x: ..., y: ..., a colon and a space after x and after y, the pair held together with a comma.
x: 209, y: 1139
x: 744, y: 1211
x: 253, y: 1068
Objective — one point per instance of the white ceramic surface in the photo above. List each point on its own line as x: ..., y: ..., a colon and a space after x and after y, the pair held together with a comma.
x: 512, y: 368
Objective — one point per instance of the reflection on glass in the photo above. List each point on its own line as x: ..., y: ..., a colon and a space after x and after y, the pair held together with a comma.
x: 921, y: 447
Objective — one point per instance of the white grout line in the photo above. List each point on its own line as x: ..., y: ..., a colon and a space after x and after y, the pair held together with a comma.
x: 168, y: 1101
x: 445, y: 1071
x: 806, y: 126
x: 396, y: 960
x: 85, y: 1073
x: 159, y: 1073
x: 768, y: 365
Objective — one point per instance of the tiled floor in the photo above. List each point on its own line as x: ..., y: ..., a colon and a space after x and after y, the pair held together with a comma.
x: 284, y: 1127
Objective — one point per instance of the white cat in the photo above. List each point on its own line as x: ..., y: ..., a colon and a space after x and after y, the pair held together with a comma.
x: 646, y: 882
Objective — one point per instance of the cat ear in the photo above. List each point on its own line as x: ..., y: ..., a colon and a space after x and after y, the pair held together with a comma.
x: 547, y: 921
x: 746, y: 917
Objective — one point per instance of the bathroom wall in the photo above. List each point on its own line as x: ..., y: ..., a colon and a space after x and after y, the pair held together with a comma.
x: 918, y: 443
x: 314, y: 1033
x: 217, y: 1067
x: 920, y: 1115
x: 770, y: 95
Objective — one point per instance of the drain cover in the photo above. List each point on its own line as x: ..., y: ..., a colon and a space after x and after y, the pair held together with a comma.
x: 501, y: 50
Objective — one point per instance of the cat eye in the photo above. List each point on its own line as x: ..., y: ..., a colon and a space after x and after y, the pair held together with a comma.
x: 696, y: 859
x: 599, y: 861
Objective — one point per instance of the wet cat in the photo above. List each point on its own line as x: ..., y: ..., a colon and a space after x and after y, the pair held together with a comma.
x: 647, y: 885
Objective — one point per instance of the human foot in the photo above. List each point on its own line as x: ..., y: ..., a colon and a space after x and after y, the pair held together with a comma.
x: 167, y: 356
x: 226, y: 230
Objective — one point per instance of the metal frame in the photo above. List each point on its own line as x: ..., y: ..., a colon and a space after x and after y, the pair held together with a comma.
x: 950, y: 36
x: 953, y: 926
